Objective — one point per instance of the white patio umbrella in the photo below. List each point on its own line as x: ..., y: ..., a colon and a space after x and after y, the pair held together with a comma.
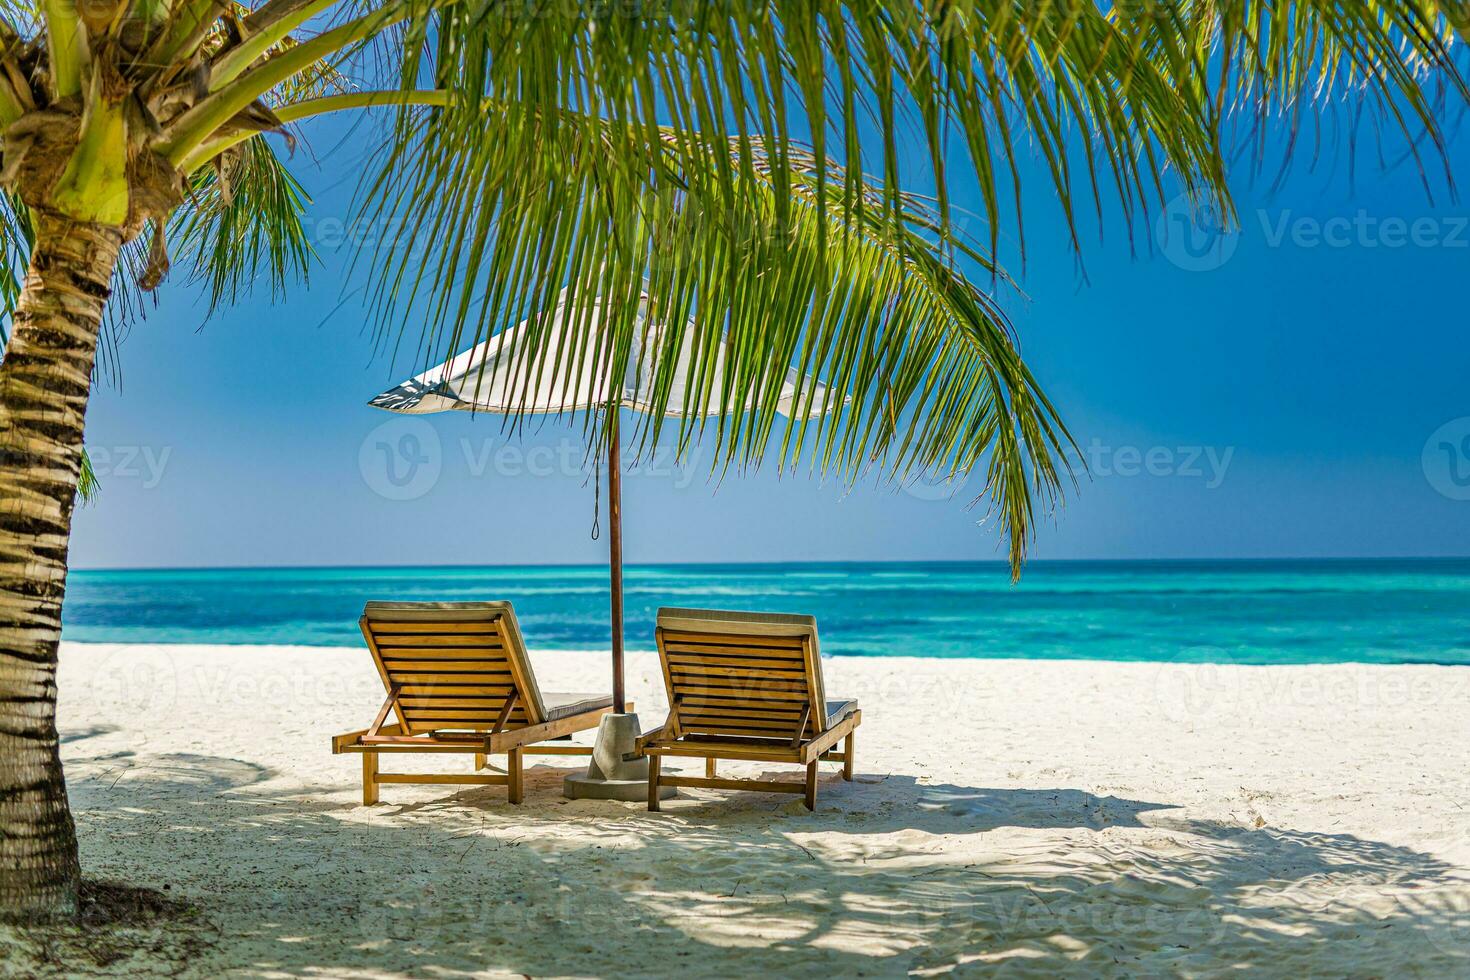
x: 500, y: 376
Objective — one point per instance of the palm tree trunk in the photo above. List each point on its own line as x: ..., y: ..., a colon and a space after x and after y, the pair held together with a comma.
x: 45, y: 378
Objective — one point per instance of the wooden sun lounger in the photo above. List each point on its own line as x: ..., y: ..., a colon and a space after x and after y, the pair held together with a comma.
x: 458, y: 680
x: 746, y: 686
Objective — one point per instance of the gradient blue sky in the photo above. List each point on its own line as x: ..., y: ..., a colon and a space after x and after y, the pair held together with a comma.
x: 1279, y: 404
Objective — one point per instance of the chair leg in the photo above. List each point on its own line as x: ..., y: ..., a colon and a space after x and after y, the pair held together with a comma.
x: 811, y: 785
x: 847, y: 756
x: 709, y: 768
x: 655, y: 762
x: 480, y: 760
x: 369, y: 778
x: 513, y: 770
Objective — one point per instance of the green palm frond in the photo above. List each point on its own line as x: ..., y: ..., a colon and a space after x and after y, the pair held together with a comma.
x: 1378, y: 69
x: 15, y: 252
x: 580, y: 144
x: 845, y: 77
x: 88, y: 486
x: 320, y: 79
x: 924, y: 372
x: 243, y: 221
x: 1100, y: 102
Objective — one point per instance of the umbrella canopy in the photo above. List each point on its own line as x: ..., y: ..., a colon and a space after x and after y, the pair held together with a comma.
x: 559, y: 363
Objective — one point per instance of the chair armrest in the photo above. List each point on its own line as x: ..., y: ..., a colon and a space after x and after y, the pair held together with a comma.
x: 341, y: 743
x: 643, y: 740
x: 813, y: 748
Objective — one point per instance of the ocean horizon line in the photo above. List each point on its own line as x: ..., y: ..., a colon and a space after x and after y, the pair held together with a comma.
x: 825, y: 562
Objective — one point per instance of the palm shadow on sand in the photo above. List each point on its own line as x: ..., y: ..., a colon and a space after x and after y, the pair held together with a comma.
x: 865, y: 886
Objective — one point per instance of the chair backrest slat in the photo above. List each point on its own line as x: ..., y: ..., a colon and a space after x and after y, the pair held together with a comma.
x: 733, y: 674
x: 452, y: 664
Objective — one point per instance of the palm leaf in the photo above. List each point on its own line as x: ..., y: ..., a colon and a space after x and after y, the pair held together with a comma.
x: 243, y: 222
x: 1339, y: 69
x: 925, y: 373
x: 1050, y: 73
x: 580, y: 145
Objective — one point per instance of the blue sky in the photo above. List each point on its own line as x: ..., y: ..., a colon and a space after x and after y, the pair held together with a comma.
x: 1298, y: 389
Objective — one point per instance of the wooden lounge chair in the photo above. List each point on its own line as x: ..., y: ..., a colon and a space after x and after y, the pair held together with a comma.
x: 458, y: 680
x: 746, y: 686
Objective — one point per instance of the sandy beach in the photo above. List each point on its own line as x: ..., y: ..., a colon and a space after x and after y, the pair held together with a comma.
x: 1019, y: 816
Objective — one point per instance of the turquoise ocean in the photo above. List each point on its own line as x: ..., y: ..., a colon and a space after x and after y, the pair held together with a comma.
x: 1267, y: 612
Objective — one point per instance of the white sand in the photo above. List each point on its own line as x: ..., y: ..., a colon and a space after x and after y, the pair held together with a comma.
x: 1042, y: 817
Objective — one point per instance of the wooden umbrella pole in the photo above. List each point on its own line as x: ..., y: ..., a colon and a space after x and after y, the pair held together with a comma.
x: 615, y: 554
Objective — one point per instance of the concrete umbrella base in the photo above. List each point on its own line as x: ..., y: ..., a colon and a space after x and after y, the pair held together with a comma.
x: 608, y: 776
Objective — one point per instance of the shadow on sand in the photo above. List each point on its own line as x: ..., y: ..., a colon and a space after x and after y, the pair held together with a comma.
x: 891, y: 876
